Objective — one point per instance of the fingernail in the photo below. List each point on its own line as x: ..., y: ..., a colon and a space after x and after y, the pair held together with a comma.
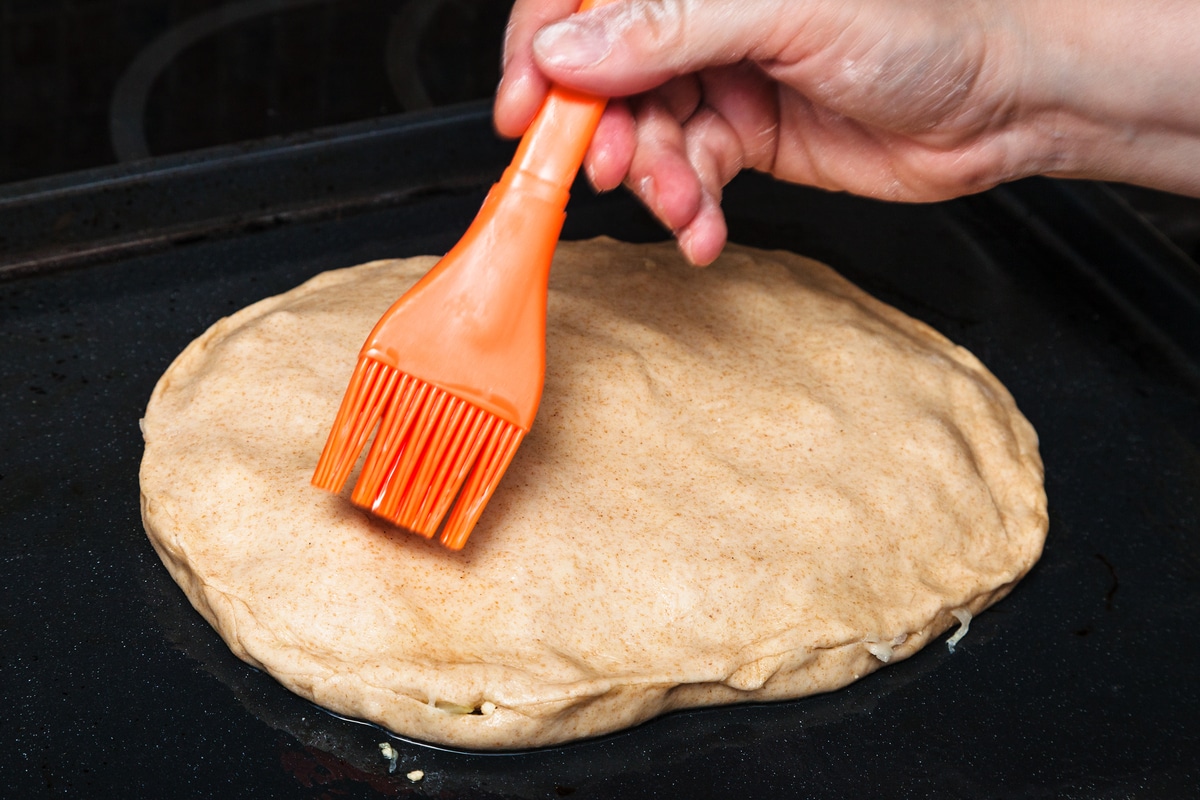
x: 683, y: 239
x: 647, y: 189
x: 591, y: 179
x: 572, y: 43
x: 510, y: 85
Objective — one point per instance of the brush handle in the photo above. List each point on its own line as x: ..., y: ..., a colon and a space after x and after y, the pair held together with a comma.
x: 475, y: 325
x: 555, y: 143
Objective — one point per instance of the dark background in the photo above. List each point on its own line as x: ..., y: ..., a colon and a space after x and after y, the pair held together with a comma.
x: 281, y: 67
x: 1082, y: 684
x: 275, y: 67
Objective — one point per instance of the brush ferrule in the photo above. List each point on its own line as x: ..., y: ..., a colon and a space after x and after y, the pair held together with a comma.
x: 531, y: 185
x: 558, y: 138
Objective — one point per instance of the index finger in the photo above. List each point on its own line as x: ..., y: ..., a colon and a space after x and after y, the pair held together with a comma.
x: 522, y: 85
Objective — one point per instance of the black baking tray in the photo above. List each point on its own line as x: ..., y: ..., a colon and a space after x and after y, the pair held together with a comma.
x: 1081, y: 684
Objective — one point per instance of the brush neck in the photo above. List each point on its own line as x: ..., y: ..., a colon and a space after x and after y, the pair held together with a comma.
x: 553, y: 147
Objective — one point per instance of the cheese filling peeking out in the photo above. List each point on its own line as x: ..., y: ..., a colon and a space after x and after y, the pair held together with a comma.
x: 963, y: 616
x: 884, y: 650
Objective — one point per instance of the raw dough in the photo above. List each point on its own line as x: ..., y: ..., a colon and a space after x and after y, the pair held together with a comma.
x: 747, y: 482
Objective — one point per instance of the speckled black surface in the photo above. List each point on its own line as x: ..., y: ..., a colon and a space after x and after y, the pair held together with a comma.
x: 1081, y: 684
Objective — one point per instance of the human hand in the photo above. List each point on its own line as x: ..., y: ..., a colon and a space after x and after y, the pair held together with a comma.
x: 897, y: 101
x: 917, y: 101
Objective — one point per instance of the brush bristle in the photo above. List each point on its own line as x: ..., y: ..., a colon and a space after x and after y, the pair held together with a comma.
x: 432, y: 451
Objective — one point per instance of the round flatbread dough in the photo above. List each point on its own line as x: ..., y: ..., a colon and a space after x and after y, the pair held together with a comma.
x: 747, y: 482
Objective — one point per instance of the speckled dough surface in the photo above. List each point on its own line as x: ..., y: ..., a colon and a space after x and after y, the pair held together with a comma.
x: 745, y: 482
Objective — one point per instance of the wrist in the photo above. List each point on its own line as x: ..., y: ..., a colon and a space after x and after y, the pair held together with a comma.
x: 1109, y: 90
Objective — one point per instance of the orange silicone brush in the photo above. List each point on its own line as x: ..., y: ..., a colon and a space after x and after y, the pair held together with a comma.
x: 452, y: 374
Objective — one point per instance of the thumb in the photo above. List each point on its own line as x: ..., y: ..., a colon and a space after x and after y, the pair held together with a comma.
x: 629, y: 46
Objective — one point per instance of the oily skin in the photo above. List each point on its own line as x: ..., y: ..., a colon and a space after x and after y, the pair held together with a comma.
x: 916, y: 101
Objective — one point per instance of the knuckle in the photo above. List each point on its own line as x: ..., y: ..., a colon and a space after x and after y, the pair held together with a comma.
x: 715, y: 148
x: 661, y: 24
